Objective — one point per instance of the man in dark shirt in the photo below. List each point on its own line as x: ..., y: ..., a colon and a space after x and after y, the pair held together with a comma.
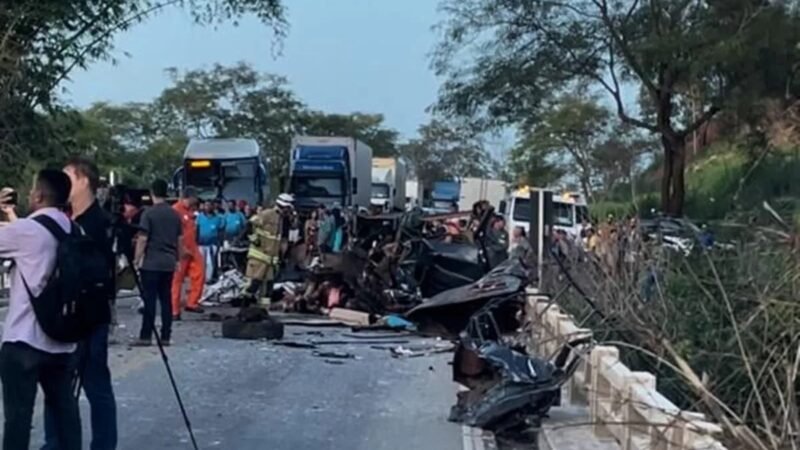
x: 157, y: 252
x: 497, y: 245
x: 93, y: 353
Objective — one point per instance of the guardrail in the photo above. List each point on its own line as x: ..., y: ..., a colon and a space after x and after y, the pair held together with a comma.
x: 624, y: 405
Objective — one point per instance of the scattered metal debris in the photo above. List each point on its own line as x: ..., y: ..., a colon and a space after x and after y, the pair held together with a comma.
x: 509, y: 391
x: 448, y: 313
x: 335, y: 355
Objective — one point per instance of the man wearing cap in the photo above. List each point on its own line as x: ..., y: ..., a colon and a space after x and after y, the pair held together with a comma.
x: 263, y: 258
x: 190, y: 263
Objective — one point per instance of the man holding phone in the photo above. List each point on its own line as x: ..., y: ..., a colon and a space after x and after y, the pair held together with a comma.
x: 10, y: 200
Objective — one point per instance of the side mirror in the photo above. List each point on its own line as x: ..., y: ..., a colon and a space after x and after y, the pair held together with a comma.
x: 355, y: 185
x: 502, y: 207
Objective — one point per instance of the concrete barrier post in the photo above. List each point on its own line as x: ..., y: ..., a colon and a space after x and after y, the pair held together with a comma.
x: 601, y: 391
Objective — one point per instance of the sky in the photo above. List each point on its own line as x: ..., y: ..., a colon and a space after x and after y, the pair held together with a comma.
x: 340, y: 56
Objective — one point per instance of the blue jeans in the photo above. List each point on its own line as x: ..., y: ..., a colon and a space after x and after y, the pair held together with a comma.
x: 93, y: 363
x: 210, y: 256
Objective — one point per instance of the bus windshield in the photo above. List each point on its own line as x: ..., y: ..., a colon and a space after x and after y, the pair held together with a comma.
x: 230, y: 179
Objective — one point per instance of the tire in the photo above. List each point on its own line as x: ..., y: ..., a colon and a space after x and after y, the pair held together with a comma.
x: 266, y: 329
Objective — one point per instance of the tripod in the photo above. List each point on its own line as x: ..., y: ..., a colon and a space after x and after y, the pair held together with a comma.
x: 119, y: 223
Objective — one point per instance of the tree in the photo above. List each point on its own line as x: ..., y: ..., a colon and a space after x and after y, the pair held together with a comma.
x: 445, y: 151
x: 43, y: 41
x: 146, y: 140
x: 523, y: 52
x: 567, y: 136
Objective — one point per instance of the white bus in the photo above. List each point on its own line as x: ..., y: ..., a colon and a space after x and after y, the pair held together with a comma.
x: 570, y: 211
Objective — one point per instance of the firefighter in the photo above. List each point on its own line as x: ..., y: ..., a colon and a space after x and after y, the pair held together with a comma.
x: 263, y: 258
x: 191, y: 263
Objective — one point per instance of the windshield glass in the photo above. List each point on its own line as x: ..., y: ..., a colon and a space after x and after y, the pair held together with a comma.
x: 317, y: 187
x: 583, y: 214
x: 522, y: 209
x: 562, y: 214
x: 380, y: 190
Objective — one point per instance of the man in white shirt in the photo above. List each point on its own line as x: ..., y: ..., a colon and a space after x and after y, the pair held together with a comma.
x: 28, y: 357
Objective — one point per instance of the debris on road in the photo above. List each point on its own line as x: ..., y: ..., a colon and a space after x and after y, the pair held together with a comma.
x: 508, y: 389
x: 335, y: 355
x: 405, y: 352
x: 252, y: 323
x: 349, y: 317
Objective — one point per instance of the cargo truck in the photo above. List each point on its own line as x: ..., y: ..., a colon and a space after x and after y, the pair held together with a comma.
x: 474, y: 190
x: 445, y: 196
x: 330, y: 171
x: 388, y: 184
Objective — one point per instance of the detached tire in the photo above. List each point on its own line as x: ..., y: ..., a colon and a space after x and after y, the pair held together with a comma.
x: 265, y: 329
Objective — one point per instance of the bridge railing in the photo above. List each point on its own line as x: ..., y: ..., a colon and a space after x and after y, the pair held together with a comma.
x: 624, y: 405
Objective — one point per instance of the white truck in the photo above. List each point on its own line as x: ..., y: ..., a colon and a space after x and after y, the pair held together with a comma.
x: 474, y: 190
x: 413, y: 194
x: 388, y: 184
x: 330, y: 171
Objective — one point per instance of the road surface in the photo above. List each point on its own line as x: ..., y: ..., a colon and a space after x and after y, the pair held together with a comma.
x: 243, y: 395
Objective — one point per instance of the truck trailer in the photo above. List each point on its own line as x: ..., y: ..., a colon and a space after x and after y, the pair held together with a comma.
x: 388, y: 184
x: 474, y: 190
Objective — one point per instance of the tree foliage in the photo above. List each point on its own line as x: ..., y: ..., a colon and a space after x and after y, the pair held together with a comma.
x: 577, y: 141
x: 708, y: 55
x: 445, y: 151
x: 142, y: 141
x: 43, y: 41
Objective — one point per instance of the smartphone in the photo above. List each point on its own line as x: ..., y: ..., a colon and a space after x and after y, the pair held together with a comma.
x: 13, y: 198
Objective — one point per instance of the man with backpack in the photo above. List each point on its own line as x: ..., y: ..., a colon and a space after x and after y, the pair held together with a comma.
x: 30, y: 355
x: 92, y: 356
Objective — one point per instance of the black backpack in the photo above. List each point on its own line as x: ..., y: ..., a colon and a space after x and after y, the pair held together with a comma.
x: 76, y: 299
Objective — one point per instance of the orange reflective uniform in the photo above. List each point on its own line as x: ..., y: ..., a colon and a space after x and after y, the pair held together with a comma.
x: 191, y: 264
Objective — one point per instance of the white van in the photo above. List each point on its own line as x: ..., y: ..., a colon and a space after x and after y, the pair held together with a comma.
x: 570, y: 211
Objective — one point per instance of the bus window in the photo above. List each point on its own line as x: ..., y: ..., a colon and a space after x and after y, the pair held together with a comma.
x: 522, y: 210
x: 562, y: 214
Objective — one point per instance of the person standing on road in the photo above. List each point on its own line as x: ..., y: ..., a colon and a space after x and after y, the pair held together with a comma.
x: 211, y: 232
x: 191, y: 259
x: 263, y: 258
x: 235, y: 222
x: 28, y: 357
x: 92, y: 353
x: 497, y: 247
x: 157, y: 258
x: 520, y: 245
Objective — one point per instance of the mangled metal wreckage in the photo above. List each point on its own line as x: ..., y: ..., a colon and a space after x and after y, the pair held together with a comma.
x: 390, y: 267
x: 509, y: 391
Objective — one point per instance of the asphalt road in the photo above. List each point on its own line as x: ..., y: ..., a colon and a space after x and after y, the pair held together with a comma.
x: 243, y: 395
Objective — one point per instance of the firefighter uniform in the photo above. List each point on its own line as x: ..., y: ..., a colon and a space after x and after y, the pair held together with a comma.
x: 191, y: 265
x: 263, y: 258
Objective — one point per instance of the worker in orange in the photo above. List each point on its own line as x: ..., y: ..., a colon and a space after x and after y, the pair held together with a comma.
x: 191, y: 258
